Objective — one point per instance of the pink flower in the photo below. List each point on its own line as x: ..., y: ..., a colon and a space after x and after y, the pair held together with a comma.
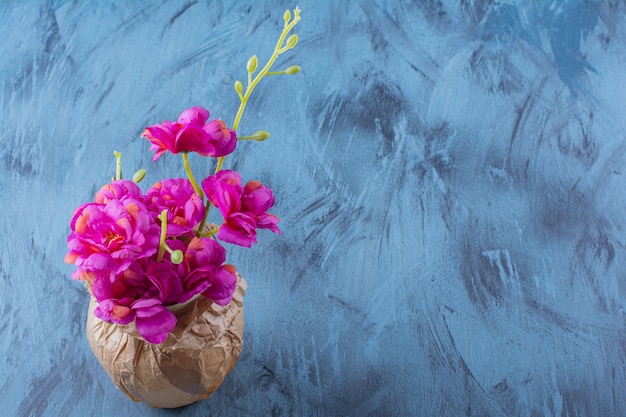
x: 109, y: 237
x: 139, y: 294
x: 185, y: 209
x: 224, y: 190
x: 144, y: 278
x: 207, y: 273
x: 115, y: 311
x: 165, y: 281
x: 153, y: 321
x: 223, y: 139
x: 258, y: 199
x: 223, y: 284
x: 244, y: 208
x: 117, y: 190
x: 191, y: 134
x: 238, y: 228
x: 130, y: 283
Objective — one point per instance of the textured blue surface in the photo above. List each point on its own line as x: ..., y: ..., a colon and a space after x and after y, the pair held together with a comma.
x: 450, y: 180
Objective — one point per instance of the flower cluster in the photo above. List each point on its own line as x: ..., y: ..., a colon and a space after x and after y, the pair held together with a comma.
x: 140, y: 253
x: 115, y: 242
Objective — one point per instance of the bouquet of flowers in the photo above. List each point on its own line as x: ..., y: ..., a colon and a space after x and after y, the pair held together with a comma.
x: 143, y: 254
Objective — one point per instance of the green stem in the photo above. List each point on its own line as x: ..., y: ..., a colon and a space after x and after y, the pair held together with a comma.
x: 212, y: 232
x: 220, y: 163
x: 262, y: 73
x: 118, y: 165
x: 198, y: 190
x: 176, y: 256
x: 259, y: 136
x: 192, y: 180
x: 207, y: 208
x: 162, y: 245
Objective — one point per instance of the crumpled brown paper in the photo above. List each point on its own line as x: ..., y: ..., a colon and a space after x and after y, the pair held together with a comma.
x: 187, y: 367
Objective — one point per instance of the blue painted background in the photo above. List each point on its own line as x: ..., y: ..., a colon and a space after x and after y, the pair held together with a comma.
x: 450, y: 178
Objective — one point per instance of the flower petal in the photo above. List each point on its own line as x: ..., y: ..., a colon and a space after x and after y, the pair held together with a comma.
x: 268, y: 221
x: 166, y: 281
x: 154, y: 322
x: 196, y: 115
x: 223, y: 139
x: 236, y: 235
x: 223, y: 284
x: 192, y: 138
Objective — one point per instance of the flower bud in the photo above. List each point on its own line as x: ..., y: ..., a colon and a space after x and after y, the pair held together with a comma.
x: 287, y: 15
x: 294, y: 69
x: 176, y: 257
x: 139, y: 175
x: 252, y: 64
x: 292, y: 41
x: 260, y: 135
x: 238, y: 87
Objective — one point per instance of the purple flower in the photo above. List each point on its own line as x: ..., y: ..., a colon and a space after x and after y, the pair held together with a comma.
x: 238, y: 228
x: 258, y: 199
x: 224, y: 190
x: 207, y: 273
x: 109, y: 237
x: 185, y: 209
x: 106, y: 286
x: 244, y: 208
x: 223, y: 284
x: 154, y: 322
x: 140, y: 294
x: 223, y: 139
x: 115, y: 311
x: 191, y: 134
x: 117, y: 190
x: 165, y: 281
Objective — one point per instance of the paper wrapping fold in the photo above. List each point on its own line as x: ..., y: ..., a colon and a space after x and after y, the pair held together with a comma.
x: 187, y: 367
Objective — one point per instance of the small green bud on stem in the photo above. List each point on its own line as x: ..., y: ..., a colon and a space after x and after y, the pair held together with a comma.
x: 238, y: 87
x: 139, y: 175
x: 176, y: 257
x: 292, y: 41
x: 253, y: 62
x: 294, y: 69
x: 258, y: 136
